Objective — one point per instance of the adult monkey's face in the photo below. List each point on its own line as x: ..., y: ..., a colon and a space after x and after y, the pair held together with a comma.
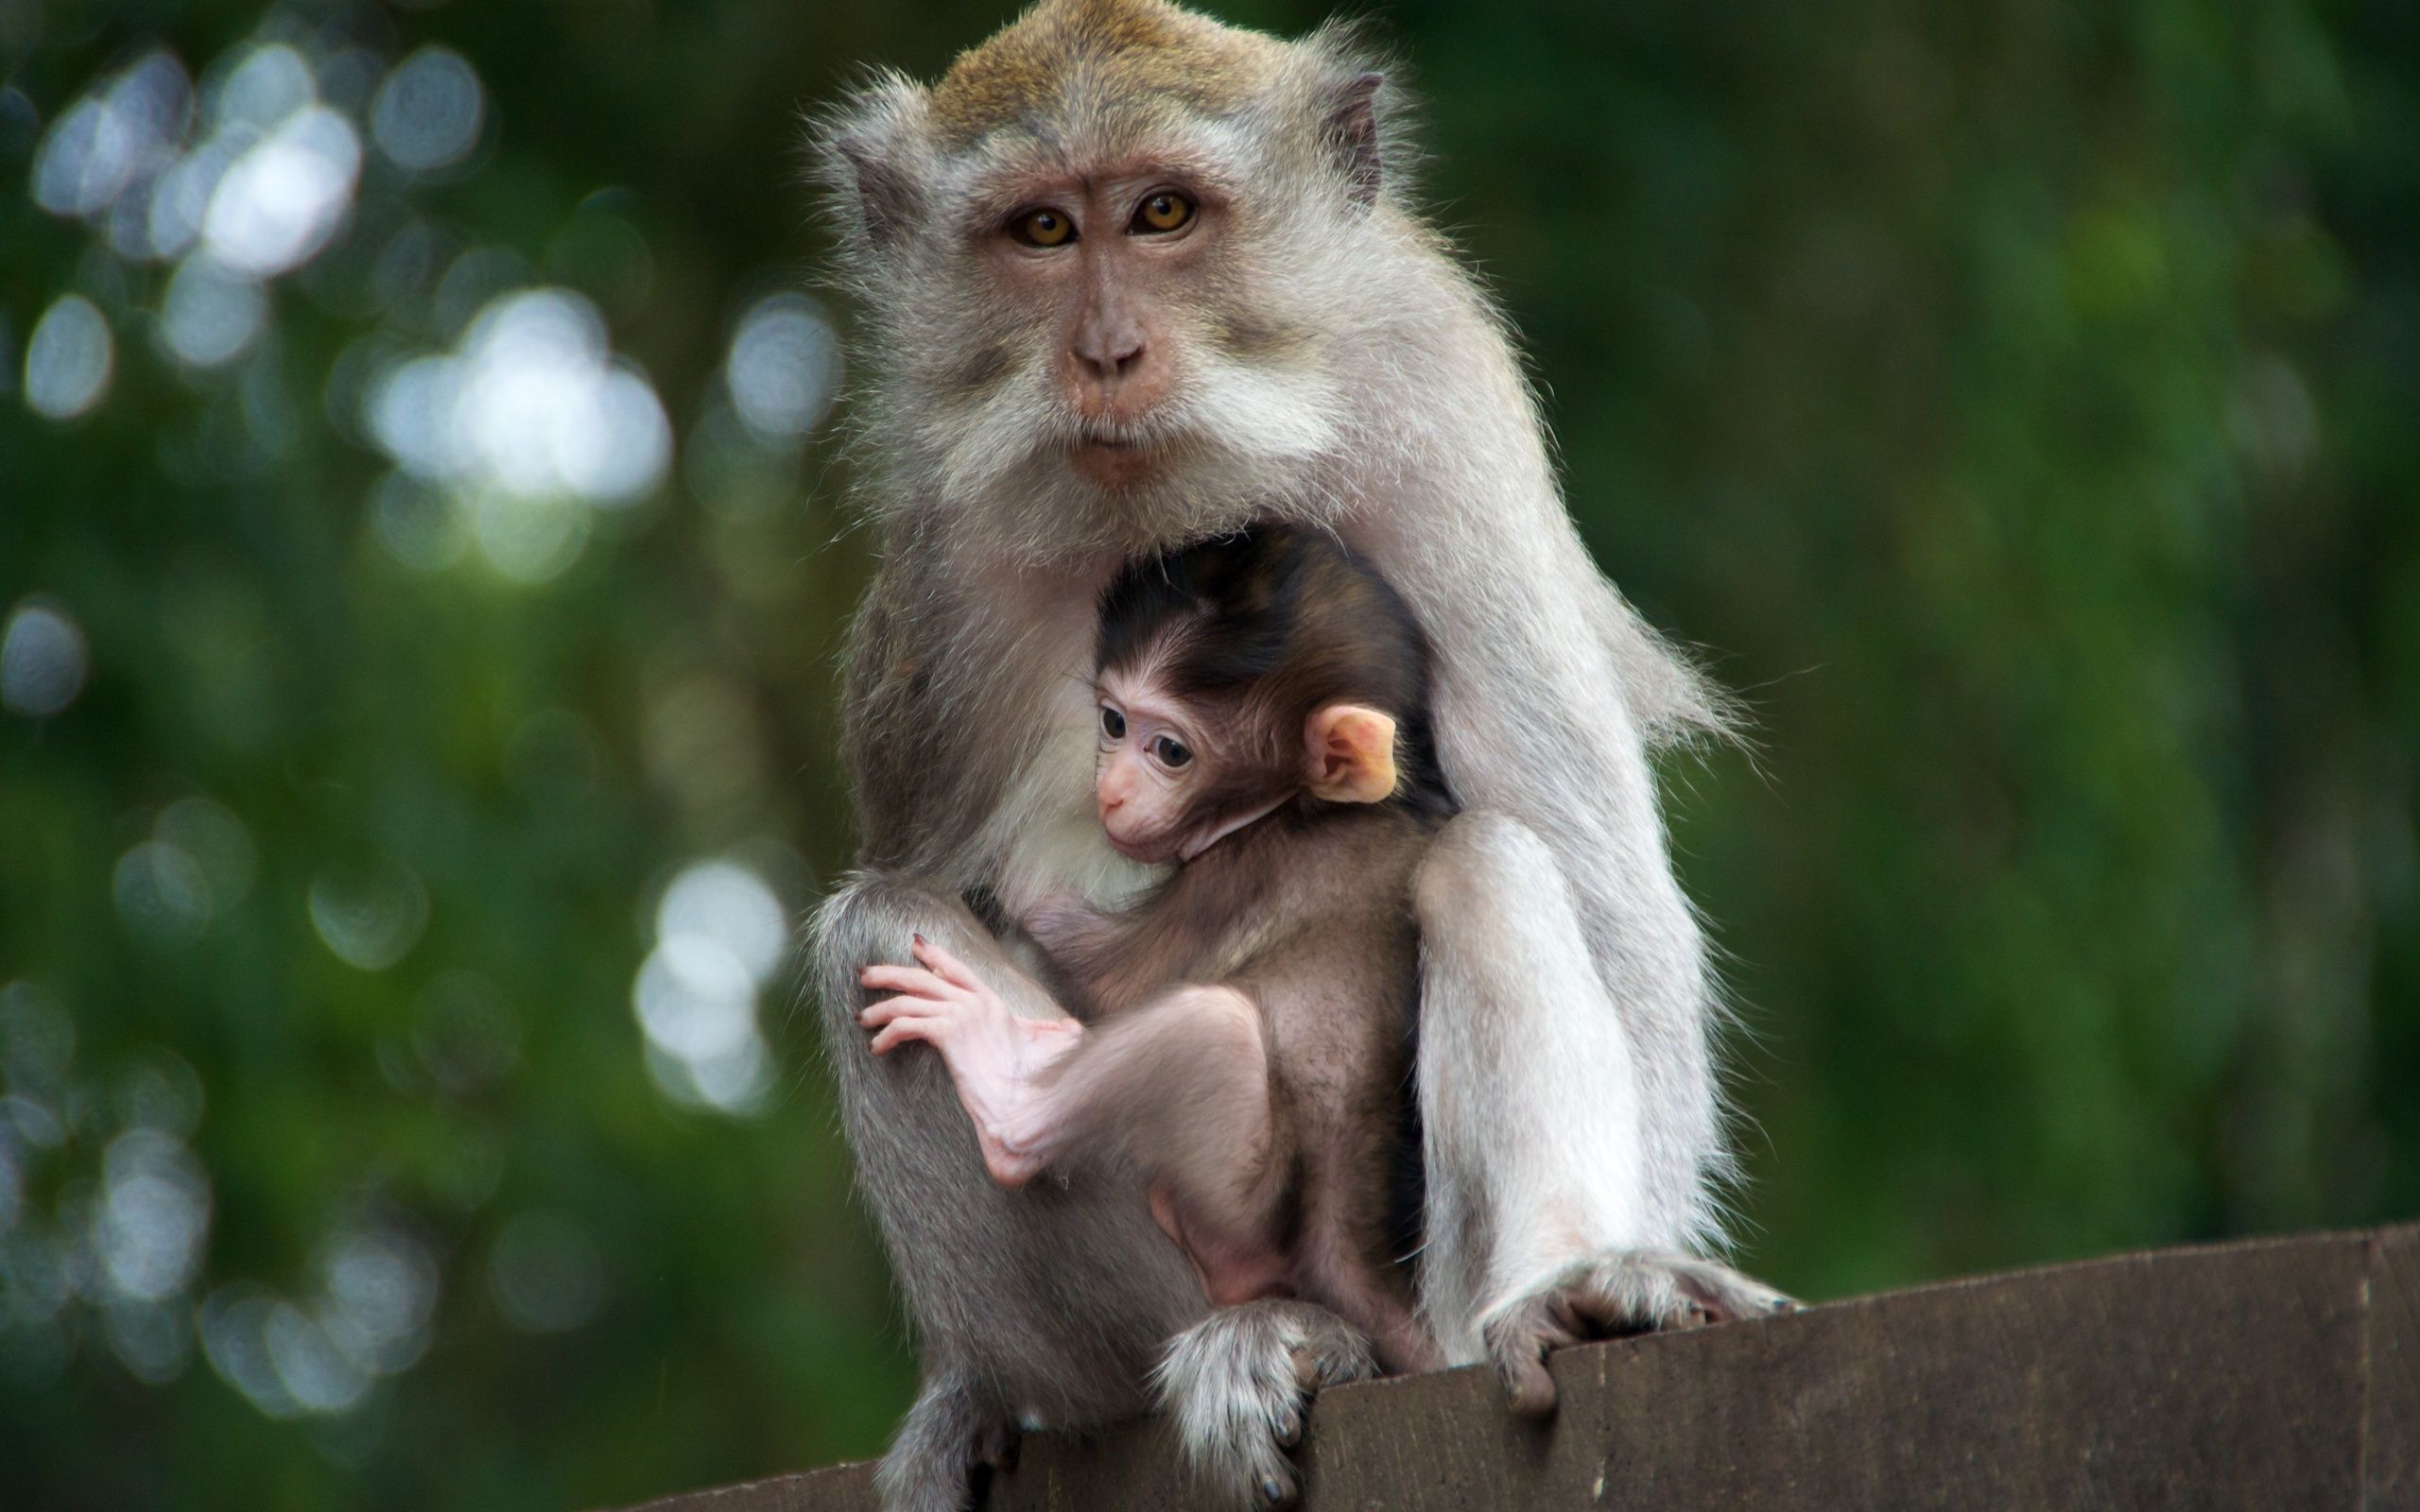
x: 1108, y: 266
x: 1112, y: 265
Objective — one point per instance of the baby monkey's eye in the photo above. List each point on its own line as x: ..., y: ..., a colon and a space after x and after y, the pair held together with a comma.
x: 1043, y: 228
x: 1169, y: 752
x: 1113, y: 724
x: 1164, y: 210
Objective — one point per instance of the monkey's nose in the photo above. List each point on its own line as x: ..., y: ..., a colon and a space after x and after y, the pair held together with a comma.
x: 1109, y: 352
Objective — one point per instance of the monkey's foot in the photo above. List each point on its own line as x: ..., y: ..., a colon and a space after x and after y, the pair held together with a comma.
x: 1239, y: 1383
x: 996, y: 1443
x: 1625, y: 1292
x: 954, y: 1434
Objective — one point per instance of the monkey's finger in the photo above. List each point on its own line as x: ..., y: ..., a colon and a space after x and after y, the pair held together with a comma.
x: 899, y: 1031
x: 911, y: 980
x: 1528, y: 1389
x: 943, y: 961
x: 1518, y: 1343
x: 952, y: 969
x: 874, y: 1015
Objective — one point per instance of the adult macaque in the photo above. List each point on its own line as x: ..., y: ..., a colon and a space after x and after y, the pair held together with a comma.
x: 1249, y: 1055
x: 1131, y: 278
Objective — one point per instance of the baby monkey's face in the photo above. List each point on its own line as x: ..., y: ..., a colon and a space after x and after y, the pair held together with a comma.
x: 1157, y: 761
x: 1174, y: 778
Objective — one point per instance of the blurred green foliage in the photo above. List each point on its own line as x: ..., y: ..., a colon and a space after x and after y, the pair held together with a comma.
x: 2021, y: 402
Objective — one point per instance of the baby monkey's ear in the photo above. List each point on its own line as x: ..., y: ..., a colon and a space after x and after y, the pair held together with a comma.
x: 1353, y: 754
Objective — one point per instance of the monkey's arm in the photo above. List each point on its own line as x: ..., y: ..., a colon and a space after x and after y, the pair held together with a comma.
x: 1670, y: 699
x: 1177, y: 1090
x: 994, y: 1057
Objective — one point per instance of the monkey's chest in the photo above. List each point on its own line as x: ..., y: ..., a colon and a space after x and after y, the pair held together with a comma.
x: 1044, y: 834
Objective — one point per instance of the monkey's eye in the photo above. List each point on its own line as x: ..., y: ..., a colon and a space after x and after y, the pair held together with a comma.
x: 1043, y: 228
x: 1113, y: 724
x: 1165, y: 210
x: 1169, y: 752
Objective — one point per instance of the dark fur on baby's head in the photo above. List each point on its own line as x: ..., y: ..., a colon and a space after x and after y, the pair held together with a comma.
x: 1263, y: 627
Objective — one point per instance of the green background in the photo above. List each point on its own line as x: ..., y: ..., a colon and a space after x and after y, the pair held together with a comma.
x: 2019, y: 401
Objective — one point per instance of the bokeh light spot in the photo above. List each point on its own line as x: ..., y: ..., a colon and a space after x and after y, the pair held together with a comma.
x: 370, y: 915
x: 69, y: 359
x: 317, y: 1376
x: 161, y: 894
x: 43, y: 659
x: 529, y: 410
x: 263, y: 87
x: 785, y: 367
x: 152, y: 1216
x: 545, y: 1273
x: 218, y: 842
x: 381, y: 1293
x: 730, y: 905
x: 282, y: 200
x: 235, y: 1323
x: 695, y: 998
x: 427, y: 115
x: 420, y: 526
x: 210, y: 317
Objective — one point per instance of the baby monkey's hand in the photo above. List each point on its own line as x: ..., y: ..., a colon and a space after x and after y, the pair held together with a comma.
x: 994, y: 1056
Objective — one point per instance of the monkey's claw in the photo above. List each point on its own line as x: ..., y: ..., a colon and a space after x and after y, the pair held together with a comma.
x: 1627, y: 1291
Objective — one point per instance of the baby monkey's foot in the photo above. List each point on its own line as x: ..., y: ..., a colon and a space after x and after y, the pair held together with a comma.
x: 992, y: 1054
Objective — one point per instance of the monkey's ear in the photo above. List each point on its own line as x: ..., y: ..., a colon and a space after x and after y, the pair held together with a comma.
x: 864, y: 154
x: 1352, y: 133
x: 1353, y: 754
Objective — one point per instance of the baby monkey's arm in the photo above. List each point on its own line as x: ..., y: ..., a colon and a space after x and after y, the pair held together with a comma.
x: 1177, y: 1088
x: 994, y: 1056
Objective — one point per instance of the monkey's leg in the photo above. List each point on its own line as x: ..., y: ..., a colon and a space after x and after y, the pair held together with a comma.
x: 1540, y: 1233
x: 1057, y: 1298
x: 956, y: 1424
x: 1237, y: 1385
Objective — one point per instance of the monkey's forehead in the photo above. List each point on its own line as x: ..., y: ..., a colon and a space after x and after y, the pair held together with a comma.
x: 1141, y: 58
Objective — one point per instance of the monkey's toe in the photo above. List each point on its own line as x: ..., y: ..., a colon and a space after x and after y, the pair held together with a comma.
x: 1607, y: 1297
x: 1238, y: 1385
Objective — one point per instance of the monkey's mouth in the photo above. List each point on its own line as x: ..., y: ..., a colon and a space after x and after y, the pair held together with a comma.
x: 1149, y: 849
x: 1114, y: 458
x: 1117, y: 441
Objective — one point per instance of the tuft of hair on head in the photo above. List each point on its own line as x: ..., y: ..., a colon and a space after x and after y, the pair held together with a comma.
x: 1106, y: 69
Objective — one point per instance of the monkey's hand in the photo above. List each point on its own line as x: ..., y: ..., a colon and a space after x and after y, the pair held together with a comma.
x: 994, y: 1057
x: 1627, y: 1291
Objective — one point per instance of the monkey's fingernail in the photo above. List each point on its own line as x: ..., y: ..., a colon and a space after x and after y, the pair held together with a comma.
x: 1272, y: 1491
x: 919, y: 938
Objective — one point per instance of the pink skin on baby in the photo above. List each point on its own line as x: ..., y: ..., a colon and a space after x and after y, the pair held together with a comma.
x: 992, y: 1054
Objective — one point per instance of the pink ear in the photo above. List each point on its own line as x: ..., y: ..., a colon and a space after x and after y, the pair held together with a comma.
x: 1353, y: 754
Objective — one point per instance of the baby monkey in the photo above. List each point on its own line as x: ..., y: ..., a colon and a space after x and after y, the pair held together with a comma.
x: 1245, y: 1037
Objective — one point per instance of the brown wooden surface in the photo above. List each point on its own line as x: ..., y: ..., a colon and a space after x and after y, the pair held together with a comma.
x: 2272, y: 1374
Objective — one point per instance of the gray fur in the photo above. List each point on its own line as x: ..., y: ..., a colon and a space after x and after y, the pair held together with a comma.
x: 1379, y: 397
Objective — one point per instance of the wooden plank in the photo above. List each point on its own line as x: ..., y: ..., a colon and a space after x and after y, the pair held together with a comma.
x: 2393, y: 1430
x: 2264, y: 1374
